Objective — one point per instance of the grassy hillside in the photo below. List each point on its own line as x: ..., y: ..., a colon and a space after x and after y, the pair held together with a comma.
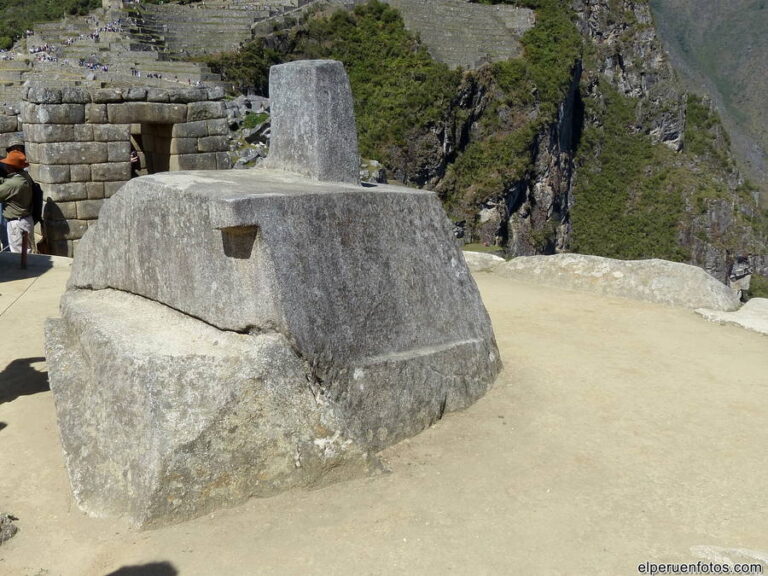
x: 16, y: 16
x: 721, y: 49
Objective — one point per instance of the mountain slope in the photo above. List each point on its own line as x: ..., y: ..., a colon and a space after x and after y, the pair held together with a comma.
x: 586, y: 142
x: 720, y: 49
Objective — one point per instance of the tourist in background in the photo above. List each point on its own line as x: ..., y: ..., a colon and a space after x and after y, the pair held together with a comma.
x: 17, y: 195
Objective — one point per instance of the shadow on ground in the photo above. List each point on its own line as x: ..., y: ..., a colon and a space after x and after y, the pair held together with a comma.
x: 20, y: 379
x: 154, y: 569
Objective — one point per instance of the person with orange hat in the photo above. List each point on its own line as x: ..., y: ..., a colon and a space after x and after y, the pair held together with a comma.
x: 17, y: 196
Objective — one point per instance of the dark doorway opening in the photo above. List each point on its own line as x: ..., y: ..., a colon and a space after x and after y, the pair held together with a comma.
x: 153, y: 143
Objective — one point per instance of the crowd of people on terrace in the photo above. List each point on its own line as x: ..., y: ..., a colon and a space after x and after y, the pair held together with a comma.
x: 51, y: 52
x: 48, y: 52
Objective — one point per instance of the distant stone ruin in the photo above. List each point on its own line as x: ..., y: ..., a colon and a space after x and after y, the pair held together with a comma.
x: 79, y: 144
x: 235, y: 334
x: 467, y: 35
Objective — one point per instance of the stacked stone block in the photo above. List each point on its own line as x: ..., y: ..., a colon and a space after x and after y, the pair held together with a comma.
x: 79, y: 144
x: 9, y: 128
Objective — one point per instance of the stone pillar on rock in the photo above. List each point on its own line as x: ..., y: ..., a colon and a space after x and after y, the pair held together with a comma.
x: 313, y: 121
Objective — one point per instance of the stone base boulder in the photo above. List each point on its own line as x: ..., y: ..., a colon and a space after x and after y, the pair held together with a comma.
x: 654, y: 280
x: 164, y: 417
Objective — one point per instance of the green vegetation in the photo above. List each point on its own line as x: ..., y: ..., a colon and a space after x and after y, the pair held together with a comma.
x: 758, y: 286
x: 719, y: 46
x: 253, y: 119
x: 399, y: 90
x: 539, y: 80
x: 628, y: 203
x: 477, y: 247
x: 702, y: 131
x: 247, y: 68
x: 632, y: 199
x: 16, y: 16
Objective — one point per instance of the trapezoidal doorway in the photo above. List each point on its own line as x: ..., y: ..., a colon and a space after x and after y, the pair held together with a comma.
x: 153, y: 143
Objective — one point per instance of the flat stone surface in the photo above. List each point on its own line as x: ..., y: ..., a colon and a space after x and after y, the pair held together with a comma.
x: 482, y: 262
x: 652, y: 280
x: 248, y: 356
x: 753, y: 315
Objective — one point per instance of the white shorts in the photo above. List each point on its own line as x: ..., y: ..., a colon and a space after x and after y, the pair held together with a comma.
x: 15, y: 228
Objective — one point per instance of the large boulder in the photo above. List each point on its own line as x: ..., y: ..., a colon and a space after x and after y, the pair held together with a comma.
x: 232, y: 334
x: 653, y: 280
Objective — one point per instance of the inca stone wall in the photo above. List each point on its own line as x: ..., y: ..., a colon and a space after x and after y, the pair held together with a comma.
x: 79, y: 143
x: 9, y: 127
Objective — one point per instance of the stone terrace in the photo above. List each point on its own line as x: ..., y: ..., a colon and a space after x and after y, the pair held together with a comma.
x: 211, y: 26
x: 459, y: 33
x: 70, y: 44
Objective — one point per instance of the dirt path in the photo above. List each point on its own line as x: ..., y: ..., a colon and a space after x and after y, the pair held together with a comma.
x: 620, y: 432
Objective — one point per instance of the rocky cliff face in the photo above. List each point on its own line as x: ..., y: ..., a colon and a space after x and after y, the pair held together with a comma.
x: 582, y: 144
x: 532, y: 215
x: 625, y: 50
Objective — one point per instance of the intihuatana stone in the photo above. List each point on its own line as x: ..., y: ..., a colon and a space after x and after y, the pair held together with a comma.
x: 209, y: 418
x: 276, y: 339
